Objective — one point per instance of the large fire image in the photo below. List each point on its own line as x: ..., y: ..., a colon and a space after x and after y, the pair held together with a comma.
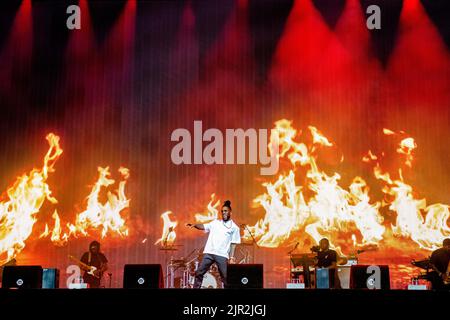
x: 20, y: 209
x: 23, y: 201
x: 97, y: 215
x: 321, y: 207
x: 303, y: 202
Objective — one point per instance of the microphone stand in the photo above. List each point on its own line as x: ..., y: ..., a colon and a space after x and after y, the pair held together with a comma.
x: 251, y: 235
x: 164, y: 246
x: 253, y: 240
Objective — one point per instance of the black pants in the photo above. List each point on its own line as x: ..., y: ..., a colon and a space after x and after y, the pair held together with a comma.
x: 207, y: 261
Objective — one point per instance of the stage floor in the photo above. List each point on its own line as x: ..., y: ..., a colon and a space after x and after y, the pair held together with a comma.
x: 224, y: 304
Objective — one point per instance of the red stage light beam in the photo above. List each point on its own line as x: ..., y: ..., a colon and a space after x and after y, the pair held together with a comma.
x: 361, y: 66
x: 232, y: 50
x: 299, y: 62
x: 16, y: 55
x: 419, y: 67
x: 226, y: 74
x: 120, y: 43
x: 184, y: 57
x: 81, y: 42
x: 79, y: 56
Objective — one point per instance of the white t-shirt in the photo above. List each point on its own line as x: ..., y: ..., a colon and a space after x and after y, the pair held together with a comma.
x: 221, y: 236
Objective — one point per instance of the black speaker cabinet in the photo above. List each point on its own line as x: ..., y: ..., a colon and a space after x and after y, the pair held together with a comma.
x: 50, y: 278
x: 27, y: 277
x: 245, y: 276
x: 137, y: 276
x: 369, y: 277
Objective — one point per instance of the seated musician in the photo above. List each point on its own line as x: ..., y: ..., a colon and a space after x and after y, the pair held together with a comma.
x: 440, y: 260
x: 97, y: 259
x: 327, y: 258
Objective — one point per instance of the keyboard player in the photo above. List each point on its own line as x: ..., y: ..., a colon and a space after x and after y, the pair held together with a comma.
x: 327, y: 258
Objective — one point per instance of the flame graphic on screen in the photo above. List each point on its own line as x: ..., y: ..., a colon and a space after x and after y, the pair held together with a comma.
x: 23, y: 201
x: 168, y: 235
x: 20, y: 206
x: 105, y: 216
x: 321, y: 207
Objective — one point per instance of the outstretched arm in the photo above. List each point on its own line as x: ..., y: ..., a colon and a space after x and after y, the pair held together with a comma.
x: 198, y: 226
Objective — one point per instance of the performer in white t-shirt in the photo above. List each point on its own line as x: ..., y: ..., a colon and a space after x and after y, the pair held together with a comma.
x: 223, y: 236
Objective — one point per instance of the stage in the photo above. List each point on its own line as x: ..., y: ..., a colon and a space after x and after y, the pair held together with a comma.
x: 269, y: 144
x: 186, y: 304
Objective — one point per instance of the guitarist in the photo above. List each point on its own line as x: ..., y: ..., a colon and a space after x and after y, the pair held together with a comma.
x: 97, y: 259
x: 440, y: 260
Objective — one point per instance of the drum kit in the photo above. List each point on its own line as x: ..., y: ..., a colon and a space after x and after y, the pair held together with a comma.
x: 181, y: 272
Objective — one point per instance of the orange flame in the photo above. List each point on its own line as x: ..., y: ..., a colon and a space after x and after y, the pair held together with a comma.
x: 406, y: 147
x: 323, y: 208
x: 369, y: 157
x: 212, y: 211
x: 331, y: 209
x: 427, y: 232
x: 55, y: 237
x: 388, y: 132
x: 23, y: 201
x: 168, y: 235
x: 106, y: 216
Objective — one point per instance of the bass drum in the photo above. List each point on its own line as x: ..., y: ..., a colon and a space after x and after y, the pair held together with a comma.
x: 211, y: 281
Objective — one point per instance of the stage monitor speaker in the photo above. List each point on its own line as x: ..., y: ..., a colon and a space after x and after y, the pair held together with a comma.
x: 137, y: 276
x: 323, y: 278
x: 344, y: 276
x: 370, y: 277
x: 26, y: 277
x: 245, y: 276
x: 50, y: 278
